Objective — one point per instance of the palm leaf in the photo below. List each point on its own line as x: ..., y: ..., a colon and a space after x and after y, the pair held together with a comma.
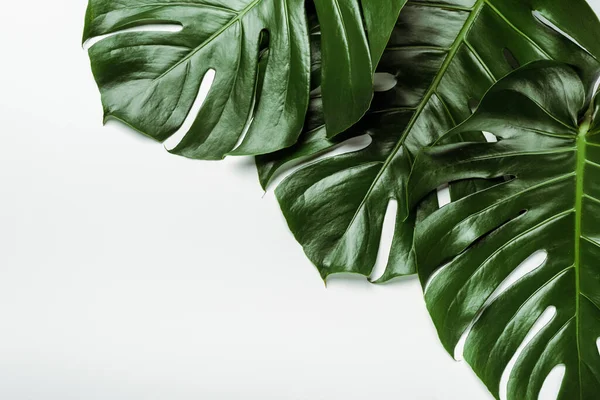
x: 444, y: 57
x: 549, y: 155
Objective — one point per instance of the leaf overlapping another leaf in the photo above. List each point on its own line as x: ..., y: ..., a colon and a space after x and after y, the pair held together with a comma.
x: 347, y: 84
x: 276, y: 59
x: 550, y: 203
x: 444, y: 57
x: 149, y: 80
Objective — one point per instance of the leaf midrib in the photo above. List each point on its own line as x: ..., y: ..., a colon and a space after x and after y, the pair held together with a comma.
x: 579, y: 194
x: 475, y: 11
x: 432, y: 88
x: 234, y: 20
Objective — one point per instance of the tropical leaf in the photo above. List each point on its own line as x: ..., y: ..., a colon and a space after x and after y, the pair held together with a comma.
x: 469, y: 251
x: 444, y: 58
x: 149, y: 80
x: 347, y: 84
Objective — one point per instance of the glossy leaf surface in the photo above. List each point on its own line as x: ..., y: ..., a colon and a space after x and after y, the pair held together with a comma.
x: 548, y: 200
x: 347, y: 83
x: 149, y: 80
x: 444, y: 57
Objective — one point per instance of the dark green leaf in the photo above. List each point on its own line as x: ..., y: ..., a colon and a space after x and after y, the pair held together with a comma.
x: 149, y: 80
x: 444, y: 55
x: 347, y: 67
x: 549, y: 200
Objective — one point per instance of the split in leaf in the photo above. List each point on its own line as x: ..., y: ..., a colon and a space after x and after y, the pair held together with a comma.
x: 444, y: 58
x: 149, y: 80
x: 544, y: 197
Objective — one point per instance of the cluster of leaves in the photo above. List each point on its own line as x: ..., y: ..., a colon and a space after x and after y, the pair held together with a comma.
x: 493, y: 97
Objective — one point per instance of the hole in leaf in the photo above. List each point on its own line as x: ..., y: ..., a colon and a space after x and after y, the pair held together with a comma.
x: 595, y: 90
x: 263, y: 43
x: 510, y: 58
x: 443, y: 195
x: 541, y: 18
x: 155, y: 27
x: 263, y: 59
x: 596, y: 85
x: 490, y: 137
x: 447, y: 263
x: 552, y: 383
x: 473, y: 103
x: 348, y: 146
x: 530, y: 264
x: 178, y: 136
x: 544, y: 319
x: 387, y: 237
x: 384, y: 81
x: 435, y: 274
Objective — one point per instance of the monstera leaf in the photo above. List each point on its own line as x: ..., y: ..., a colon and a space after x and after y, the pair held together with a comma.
x: 444, y: 58
x: 548, y: 200
x: 149, y: 80
x: 347, y: 83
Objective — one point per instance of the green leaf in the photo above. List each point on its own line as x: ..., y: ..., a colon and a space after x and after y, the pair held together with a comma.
x: 149, y: 80
x: 444, y: 57
x: 347, y: 68
x: 548, y: 200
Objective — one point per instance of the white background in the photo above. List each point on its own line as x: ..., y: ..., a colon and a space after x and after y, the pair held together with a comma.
x: 127, y: 273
